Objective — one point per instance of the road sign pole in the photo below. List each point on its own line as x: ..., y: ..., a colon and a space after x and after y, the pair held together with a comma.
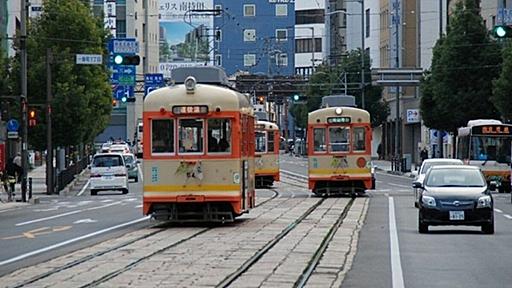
x: 24, y: 97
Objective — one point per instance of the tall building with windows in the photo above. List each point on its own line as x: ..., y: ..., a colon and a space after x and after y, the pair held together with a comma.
x: 310, y: 35
x: 254, y: 36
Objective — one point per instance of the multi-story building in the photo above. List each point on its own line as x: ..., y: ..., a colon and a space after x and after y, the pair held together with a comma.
x: 255, y: 36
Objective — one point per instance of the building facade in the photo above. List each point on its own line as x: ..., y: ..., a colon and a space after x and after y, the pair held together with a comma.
x: 255, y: 36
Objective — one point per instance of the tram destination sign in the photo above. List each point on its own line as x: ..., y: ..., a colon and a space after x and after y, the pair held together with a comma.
x: 338, y: 120
x: 492, y: 130
x: 196, y: 109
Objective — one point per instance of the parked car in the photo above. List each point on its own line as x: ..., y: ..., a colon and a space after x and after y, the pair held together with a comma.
x: 132, y: 165
x: 108, y: 172
x: 455, y: 195
x: 427, y: 164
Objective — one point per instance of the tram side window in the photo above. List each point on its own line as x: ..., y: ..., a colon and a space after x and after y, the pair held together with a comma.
x: 261, y: 142
x: 190, y: 135
x: 270, y: 141
x: 359, y: 139
x: 219, y: 135
x: 162, y: 136
x: 319, y: 139
x: 339, y: 139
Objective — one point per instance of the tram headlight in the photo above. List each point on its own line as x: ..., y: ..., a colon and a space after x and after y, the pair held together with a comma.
x: 190, y: 84
x: 338, y: 111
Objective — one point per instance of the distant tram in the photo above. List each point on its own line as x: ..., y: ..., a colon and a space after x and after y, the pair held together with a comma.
x: 198, y: 149
x: 339, y: 148
x: 486, y: 143
x: 267, y: 153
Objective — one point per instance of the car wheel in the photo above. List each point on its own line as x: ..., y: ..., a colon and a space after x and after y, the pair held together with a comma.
x: 488, y: 228
x: 416, y: 205
x: 422, y: 227
x: 501, y: 189
x: 125, y: 191
x: 373, y: 184
x: 94, y: 192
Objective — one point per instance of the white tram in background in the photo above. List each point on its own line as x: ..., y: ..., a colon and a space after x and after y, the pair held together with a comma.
x: 339, y: 148
x: 198, y: 149
x: 267, y: 153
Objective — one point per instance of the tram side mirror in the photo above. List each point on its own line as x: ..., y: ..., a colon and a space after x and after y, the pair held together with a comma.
x: 416, y: 185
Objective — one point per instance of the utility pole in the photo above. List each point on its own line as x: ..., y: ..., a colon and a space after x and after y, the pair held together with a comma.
x: 439, y: 133
x: 362, y: 53
x: 49, y: 144
x: 397, y: 98
x: 23, y: 97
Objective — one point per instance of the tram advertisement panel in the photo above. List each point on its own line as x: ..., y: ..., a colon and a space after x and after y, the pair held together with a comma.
x: 184, y: 34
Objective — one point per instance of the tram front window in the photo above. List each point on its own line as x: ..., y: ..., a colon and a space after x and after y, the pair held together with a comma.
x: 191, y: 136
x: 162, y: 136
x: 359, y: 139
x: 339, y: 139
x: 219, y: 135
x: 486, y: 148
x: 319, y: 139
x: 261, y: 142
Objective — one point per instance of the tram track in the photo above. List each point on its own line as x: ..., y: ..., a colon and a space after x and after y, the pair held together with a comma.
x: 117, y: 272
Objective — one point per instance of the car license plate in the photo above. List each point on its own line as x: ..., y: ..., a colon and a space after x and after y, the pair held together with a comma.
x: 107, y: 176
x: 456, y: 215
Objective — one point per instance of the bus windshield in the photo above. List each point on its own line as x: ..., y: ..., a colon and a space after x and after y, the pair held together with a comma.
x: 487, y: 148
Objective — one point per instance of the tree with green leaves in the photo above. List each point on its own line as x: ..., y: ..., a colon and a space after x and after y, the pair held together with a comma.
x: 327, y: 81
x: 502, y: 87
x: 82, y: 94
x: 458, y: 87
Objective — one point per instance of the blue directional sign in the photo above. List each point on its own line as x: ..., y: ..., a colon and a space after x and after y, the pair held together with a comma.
x: 152, y: 82
x: 13, y: 125
x: 123, y: 75
x: 124, y: 91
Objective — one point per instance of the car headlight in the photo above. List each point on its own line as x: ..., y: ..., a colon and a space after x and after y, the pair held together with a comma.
x: 484, y: 202
x: 428, y: 201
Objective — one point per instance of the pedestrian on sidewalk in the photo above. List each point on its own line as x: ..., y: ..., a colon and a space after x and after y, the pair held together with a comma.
x: 379, y: 151
x: 423, y: 154
x: 9, y: 178
x: 19, y: 169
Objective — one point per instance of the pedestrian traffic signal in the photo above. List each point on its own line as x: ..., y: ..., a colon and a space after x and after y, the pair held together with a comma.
x: 502, y: 31
x: 32, y: 117
x: 121, y: 59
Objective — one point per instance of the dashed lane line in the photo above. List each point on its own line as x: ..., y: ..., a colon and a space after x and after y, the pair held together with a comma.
x: 507, y: 216
x: 396, y: 265
x: 498, y: 210
x: 83, y: 188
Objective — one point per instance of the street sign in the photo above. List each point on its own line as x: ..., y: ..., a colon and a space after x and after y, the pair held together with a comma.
x: 89, y: 59
x: 397, y: 76
x: 153, y: 82
x: 123, y: 45
x: 413, y: 115
x: 12, y: 134
x: 123, y: 91
x: 12, y: 125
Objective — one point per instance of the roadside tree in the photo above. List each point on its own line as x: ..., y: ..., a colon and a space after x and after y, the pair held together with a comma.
x: 502, y: 96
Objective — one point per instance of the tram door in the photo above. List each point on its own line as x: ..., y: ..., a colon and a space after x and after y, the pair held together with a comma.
x: 245, y: 182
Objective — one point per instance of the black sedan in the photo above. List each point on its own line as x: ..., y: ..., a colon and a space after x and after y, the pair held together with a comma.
x: 455, y: 195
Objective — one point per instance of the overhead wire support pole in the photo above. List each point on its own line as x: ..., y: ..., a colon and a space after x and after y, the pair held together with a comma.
x: 398, y: 124
x: 362, y: 54
x: 49, y: 145
x: 24, y: 97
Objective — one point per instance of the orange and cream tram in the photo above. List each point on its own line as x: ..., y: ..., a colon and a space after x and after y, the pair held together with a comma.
x: 339, y: 148
x: 198, y: 149
x: 267, y: 153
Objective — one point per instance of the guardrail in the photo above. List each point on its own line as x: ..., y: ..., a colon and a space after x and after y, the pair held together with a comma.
x: 66, y: 176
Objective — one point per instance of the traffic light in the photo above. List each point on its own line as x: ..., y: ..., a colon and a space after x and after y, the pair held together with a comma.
x: 298, y: 98
x: 114, y: 103
x: 121, y: 59
x: 32, y: 117
x: 502, y: 31
x: 261, y: 100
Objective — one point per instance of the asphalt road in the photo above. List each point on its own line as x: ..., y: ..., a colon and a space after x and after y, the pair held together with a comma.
x: 448, y: 256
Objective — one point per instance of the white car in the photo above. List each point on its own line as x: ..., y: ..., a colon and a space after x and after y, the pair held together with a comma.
x: 108, y: 172
x: 427, y: 164
x: 120, y: 148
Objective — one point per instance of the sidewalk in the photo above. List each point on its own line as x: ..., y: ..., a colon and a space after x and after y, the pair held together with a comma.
x: 384, y: 165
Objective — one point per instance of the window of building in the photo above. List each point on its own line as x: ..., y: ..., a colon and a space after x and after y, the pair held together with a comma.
x: 162, y: 136
x: 359, y: 139
x: 219, y: 8
x: 319, y: 139
x: 249, y: 60
x: 339, y: 139
x: 281, y: 9
x: 305, y: 45
x: 311, y: 16
x: 261, y: 142
x: 136, y: 33
x: 281, y: 35
x: 190, y: 136
x: 493, y: 19
x: 249, y: 10
x: 121, y: 28
x: 218, y: 35
x: 219, y: 136
x: 144, y: 32
x: 218, y: 60
x: 282, y: 59
x: 367, y: 23
x: 249, y: 35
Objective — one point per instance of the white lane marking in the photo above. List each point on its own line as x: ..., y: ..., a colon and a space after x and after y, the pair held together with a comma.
x: 507, y: 216
x: 399, y: 185
x: 294, y: 174
x: 383, y: 172
x: 498, y: 210
x: 138, y: 206
x: 396, y: 265
x: 130, y: 199
x: 88, y: 220
x: 58, y: 245
x: 83, y: 188
x: 141, y: 175
x: 46, y: 210
x: 106, y: 200
x: 65, y: 214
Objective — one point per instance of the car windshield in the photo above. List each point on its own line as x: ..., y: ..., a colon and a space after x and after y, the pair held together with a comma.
x: 455, y: 178
x: 107, y: 161
x: 428, y: 165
